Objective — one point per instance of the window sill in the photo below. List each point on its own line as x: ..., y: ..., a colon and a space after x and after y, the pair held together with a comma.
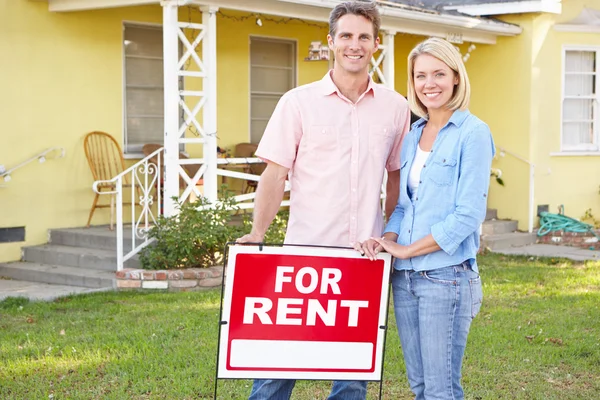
x: 575, y: 154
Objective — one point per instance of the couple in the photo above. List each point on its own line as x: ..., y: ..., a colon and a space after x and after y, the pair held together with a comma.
x: 334, y: 138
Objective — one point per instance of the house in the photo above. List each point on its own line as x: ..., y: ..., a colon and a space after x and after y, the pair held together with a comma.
x: 76, y: 66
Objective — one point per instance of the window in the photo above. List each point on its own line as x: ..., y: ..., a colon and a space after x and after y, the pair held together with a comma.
x: 272, y: 73
x: 144, y: 94
x: 580, y: 114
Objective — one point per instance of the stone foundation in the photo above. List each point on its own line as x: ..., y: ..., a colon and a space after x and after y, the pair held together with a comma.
x: 584, y: 240
x: 174, y: 280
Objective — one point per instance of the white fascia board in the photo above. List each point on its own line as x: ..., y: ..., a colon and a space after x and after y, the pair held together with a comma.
x: 577, y: 28
x: 83, y: 5
x: 393, y: 19
x: 517, y: 7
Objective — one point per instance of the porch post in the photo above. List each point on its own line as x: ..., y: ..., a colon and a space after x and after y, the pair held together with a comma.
x: 209, y: 56
x: 171, y: 106
x: 388, y: 60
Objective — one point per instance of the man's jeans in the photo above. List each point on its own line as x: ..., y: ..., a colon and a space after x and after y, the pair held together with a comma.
x: 434, y: 310
x: 281, y: 389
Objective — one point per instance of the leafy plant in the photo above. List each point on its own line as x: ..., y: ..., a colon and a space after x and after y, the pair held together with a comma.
x: 590, y: 219
x: 497, y: 173
x: 194, y: 238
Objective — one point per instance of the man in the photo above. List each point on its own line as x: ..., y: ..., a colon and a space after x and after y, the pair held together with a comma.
x: 333, y: 138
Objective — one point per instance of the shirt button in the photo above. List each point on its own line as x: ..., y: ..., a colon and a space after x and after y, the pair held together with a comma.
x: 420, y: 181
x: 409, y: 231
x: 424, y: 165
x: 444, y: 160
x: 354, y: 189
x: 384, y: 130
x: 323, y: 131
x: 416, y: 198
x: 353, y: 218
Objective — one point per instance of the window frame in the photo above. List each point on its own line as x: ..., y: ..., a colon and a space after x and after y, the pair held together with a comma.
x: 137, y: 154
x: 583, y: 149
x: 295, y: 68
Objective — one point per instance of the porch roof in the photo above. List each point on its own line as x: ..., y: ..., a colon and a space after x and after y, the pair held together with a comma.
x: 397, y: 16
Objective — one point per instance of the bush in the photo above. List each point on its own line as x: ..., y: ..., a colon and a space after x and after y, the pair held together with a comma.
x: 196, y: 237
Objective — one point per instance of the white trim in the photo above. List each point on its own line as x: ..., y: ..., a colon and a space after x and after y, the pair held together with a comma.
x: 393, y: 18
x: 577, y: 28
x: 575, y: 154
x: 81, y: 5
x: 582, y: 149
x: 516, y: 7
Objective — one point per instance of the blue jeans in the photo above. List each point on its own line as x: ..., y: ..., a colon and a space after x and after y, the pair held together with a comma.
x: 434, y: 310
x: 281, y: 389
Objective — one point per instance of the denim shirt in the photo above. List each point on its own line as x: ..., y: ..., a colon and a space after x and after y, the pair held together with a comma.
x: 451, y: 200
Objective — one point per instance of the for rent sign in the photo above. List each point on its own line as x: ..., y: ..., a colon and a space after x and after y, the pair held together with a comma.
x: 303, y: 313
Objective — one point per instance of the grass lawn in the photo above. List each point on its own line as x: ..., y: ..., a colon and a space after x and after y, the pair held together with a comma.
x: 537, y: 337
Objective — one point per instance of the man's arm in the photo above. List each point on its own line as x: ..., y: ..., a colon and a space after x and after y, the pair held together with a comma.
x: 269, y: 194
x: 392, y: 192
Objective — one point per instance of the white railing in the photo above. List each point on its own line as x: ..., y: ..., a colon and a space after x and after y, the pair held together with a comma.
x: 142, y: 180
x: 47, y: 154
x: 531, y: 165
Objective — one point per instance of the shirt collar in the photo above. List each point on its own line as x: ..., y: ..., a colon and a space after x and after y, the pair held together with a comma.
x: 457, y: 119
x: 330, y: 88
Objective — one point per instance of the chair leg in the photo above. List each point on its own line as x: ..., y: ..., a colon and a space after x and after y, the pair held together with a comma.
x: 93, y: 209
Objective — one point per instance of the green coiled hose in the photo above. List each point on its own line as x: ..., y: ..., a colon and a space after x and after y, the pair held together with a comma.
x: 558, y: 222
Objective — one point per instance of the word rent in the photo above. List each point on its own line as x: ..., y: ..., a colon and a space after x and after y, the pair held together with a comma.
x: 288, y: 309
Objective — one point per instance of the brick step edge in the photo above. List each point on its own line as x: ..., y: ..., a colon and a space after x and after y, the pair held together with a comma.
x: 178, y: 280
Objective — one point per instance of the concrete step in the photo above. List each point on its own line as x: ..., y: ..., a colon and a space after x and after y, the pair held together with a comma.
x: 491, y: 213
x: 99, y: 237
x: 81, y: 257
x: 58, y: 275
x: 507, y: 240
x: 497, y: 226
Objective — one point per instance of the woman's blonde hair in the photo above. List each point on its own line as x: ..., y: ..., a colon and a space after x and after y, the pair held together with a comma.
x: 447, y: 53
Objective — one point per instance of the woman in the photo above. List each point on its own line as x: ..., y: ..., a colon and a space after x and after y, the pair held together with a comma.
x: 434, y: 230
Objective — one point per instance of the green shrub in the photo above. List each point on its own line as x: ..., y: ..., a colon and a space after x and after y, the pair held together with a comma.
x: 196, y: 236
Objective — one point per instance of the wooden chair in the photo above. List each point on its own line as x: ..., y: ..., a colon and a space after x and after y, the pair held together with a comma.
x: 247, y: 150
x: 106, y: 161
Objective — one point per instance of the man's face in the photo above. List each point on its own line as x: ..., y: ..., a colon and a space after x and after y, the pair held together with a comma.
x: 353, y: 44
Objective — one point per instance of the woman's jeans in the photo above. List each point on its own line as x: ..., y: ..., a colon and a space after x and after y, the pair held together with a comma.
x: 281, y: 389
x: 434, y: 310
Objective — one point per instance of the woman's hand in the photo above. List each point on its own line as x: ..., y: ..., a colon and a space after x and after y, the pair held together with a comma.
x: 368, y: 248
x: 395, y: 249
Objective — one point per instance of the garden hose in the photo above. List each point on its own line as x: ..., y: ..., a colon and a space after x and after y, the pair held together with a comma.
x: 558, y: 222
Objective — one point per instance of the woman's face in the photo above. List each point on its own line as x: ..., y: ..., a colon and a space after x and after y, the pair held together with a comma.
x: 434, y: 82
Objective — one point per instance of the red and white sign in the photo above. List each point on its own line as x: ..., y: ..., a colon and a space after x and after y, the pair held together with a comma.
x: 303, y: 313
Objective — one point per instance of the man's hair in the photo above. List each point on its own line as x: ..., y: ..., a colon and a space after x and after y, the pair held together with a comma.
x: 447, y: 53
x: 366, y: 9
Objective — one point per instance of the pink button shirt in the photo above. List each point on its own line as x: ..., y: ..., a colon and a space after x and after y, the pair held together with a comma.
x: 336, y: 152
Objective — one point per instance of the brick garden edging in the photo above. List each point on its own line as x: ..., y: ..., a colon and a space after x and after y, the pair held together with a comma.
x: 176, y: 280
x: 584, y: 240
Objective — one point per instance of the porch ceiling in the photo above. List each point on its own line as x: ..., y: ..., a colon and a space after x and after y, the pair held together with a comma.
x: 394, y: 18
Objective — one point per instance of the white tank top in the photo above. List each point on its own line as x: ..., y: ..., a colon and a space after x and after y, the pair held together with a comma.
x: 414, y: 175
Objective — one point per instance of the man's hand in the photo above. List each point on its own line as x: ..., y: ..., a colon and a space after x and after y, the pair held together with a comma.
x: 252, y: 237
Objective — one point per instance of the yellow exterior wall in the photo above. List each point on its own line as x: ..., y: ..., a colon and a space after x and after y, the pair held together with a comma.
x: 501, y: 82
x: 62, y: 76
x: 572, y: 181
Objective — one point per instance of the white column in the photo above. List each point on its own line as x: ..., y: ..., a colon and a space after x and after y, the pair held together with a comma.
x: 171, y: 106
x: 209, y: 57
x: 388, y: 60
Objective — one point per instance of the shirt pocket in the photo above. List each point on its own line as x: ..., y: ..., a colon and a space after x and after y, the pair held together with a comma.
x: 323, y: 138
x: 442, y: 171
x: 380, y: 140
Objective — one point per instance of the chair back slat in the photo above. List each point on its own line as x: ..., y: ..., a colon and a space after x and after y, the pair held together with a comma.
x: 104, y: 155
